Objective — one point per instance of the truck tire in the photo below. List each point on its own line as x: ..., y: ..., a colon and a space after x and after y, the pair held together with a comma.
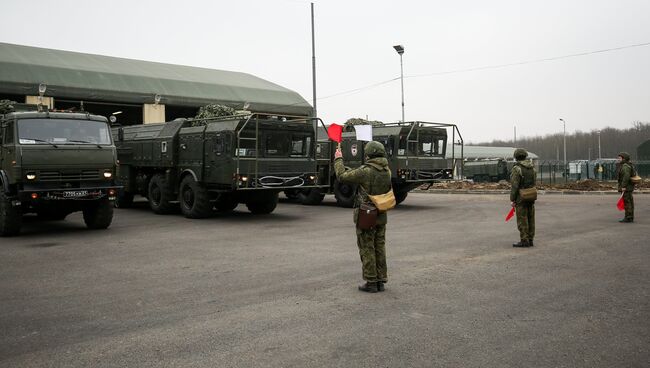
x: 160, y: 195
x: 194, y: 198
x: 311, y: 196
x: 99, y: 215
x: 11, y: 218
x: 263, y: 203
x: 344, y: 194
x: 400, y: 197
x: 124, y: 199
x: 226, y: 203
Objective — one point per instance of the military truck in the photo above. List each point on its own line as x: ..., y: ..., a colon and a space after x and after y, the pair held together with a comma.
x: 215, y: 163
x: 53, y: 164
x: 416, y: 156
x: 492, y: 170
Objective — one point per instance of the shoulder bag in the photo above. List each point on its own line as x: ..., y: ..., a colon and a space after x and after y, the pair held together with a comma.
x: 384, y: 202
x: 367, y: 216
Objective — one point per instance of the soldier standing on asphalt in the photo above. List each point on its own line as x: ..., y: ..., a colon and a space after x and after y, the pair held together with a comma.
x: 625, y: 185
x: 372, y: 178
x: 523, y: 176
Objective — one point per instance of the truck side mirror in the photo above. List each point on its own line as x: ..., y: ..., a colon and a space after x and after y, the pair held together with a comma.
x: 120, y: 134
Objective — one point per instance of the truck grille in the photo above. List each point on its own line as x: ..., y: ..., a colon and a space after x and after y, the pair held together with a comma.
x: 69, y: 176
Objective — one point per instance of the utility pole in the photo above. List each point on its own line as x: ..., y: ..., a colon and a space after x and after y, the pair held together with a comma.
x: 515, y: 141
x: 599, y: 156
x: 313, y: 60
x: 564, y: 124
x: 400, y: 51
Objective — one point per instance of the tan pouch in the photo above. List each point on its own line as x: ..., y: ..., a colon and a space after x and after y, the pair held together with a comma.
x: 636, y: 179
x: 367, y: 217
x: 528, y: 194
x: 384, y: 202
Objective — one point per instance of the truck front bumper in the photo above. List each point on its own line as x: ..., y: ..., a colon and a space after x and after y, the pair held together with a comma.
x: 63, y: 194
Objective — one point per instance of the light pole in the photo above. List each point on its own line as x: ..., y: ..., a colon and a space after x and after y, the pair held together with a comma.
x: 400, y: 51
x: 564, y: 124
x: 599, y: 156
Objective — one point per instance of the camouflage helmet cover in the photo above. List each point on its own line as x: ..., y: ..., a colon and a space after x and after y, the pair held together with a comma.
x: 520, y: 154
x: 625, y: 156
x: 374, y: 149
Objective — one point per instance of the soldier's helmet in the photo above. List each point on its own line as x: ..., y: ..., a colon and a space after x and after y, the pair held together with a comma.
x: 520, y: 154
x: 625, y: 156
x: 374, y: 149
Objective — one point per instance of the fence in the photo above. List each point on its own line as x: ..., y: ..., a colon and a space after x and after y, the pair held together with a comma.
x: 551, y: 172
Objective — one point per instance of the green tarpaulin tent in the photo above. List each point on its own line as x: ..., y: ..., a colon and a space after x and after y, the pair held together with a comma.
x: 80, y: 76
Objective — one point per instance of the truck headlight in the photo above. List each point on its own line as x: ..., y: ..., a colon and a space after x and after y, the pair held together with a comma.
x: 108, y: 174
x: 30, y: 176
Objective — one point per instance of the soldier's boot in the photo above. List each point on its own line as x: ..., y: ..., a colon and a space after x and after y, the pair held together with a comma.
x: 625, y: 220
x: 368, y: 287
x: 522, y: 244
x: 380, y: 285
x: 530, y: 243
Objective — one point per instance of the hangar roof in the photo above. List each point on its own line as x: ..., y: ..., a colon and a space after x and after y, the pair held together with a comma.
x: 104, y: 78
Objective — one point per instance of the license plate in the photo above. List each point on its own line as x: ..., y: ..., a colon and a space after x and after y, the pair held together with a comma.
x: 75, y: 193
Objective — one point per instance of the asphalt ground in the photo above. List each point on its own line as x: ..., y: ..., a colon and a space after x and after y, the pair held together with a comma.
x: 241, y: 290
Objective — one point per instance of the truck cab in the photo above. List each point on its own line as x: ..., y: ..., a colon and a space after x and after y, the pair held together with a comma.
x: 53, y: 164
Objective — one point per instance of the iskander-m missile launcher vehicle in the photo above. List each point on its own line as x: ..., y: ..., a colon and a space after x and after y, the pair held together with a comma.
x: 415, y: 152
x: 53, y: 164
x: 215, y: 163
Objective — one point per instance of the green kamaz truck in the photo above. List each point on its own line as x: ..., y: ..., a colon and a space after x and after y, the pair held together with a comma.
x: 214, y: 164
x: 53, y: 164
x: 492, y: 170
x: 416, y: 156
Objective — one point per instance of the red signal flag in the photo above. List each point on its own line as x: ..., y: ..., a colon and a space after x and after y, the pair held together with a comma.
x: 510, y: 214
x: 335, y: 132
x: 620, y: 204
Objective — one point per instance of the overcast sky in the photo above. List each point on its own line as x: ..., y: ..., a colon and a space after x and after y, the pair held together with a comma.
x: 271, y: 39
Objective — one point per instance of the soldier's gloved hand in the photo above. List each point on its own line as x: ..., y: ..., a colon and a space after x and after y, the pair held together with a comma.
x: 338, y: 153
x: 513, y: 204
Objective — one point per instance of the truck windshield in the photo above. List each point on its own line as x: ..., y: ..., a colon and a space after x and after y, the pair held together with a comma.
x: 427, y: 145
x: 287, y: 144
x: 63, y: 131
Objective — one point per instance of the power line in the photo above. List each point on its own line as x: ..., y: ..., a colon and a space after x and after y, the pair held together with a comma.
x: 528, y: 61
x: 498, y: 66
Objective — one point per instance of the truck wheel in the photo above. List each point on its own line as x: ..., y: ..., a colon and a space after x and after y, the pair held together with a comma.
x: 311, y: 196
x: 99, y: 215
x: 263, y: 203
x: 160, y: 195
x: 11, y: 218
x: 226, y: 203
x: 124, y: 199
x: 194, y: 198
x: 344, y: 194
x: 400, y: 197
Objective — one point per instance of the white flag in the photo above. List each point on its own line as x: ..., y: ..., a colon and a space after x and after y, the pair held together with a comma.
x: 364, y: 132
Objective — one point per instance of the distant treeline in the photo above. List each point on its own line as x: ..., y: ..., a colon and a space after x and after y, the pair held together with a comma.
x: 580, y: 144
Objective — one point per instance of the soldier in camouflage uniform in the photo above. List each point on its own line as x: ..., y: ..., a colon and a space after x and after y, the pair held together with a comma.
x: 523, y: 176
x: 372, y: 178
x: 625, y: 185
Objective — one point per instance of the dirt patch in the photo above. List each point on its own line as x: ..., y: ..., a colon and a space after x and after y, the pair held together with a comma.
x: 588, y: 185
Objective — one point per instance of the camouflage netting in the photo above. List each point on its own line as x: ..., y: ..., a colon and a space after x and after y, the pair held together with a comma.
x: 215, y: 111
x: 349, y: 125
x: 7, y: 106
